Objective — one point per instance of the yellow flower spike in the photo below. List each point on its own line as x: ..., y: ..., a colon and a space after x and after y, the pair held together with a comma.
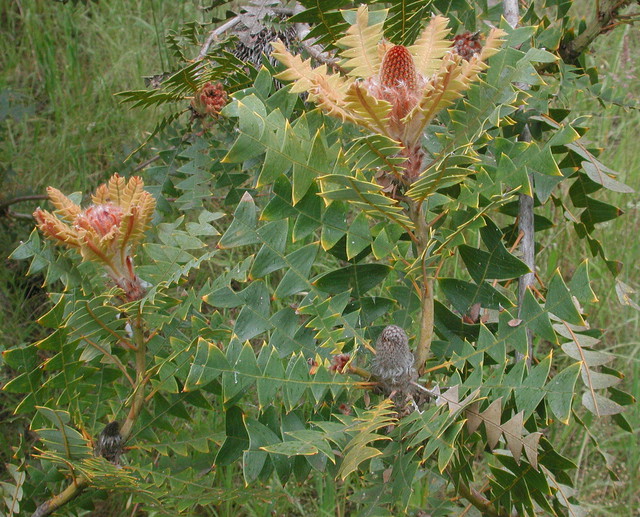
x: 107, y: 231
x: 392, y: 90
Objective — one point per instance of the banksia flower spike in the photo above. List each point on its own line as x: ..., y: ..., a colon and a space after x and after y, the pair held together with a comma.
x: 106, y: 232
x: 390, y: 89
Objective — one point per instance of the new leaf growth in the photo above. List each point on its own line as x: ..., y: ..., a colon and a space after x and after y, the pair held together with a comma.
x: 107, y: 231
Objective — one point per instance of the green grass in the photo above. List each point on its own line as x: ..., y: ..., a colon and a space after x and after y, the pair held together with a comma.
x: 60, y: 124
x: 66, y: 62
x: 616, y: 131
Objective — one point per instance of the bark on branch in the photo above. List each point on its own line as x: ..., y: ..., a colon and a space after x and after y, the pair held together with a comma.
x: 479, y: 501
x: 604, y: 20
x: 511, y: 10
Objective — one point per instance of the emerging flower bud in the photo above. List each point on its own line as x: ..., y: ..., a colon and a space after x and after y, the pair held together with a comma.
x: 338, y: 362
x: 467, y: 45
x: 209, y: 100
x: 107, y: 231
x: 104, y: 219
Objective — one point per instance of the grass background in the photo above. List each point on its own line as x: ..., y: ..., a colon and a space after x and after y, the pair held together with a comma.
x: 60, y: 65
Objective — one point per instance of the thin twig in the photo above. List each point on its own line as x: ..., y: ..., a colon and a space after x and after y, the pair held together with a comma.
x: 145, y: 163
x: 18, y: 215
x: 20, y: 199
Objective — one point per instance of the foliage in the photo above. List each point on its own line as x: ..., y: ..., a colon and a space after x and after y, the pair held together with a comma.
x: 309, y: 255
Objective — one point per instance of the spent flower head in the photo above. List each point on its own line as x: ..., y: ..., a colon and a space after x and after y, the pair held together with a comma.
x: 106, y: 232
x: 391, y: 89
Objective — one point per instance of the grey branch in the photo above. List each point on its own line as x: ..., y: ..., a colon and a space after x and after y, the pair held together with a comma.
x: 525, y: 210
x: 215, y: 33
x: 302, y: 30
x: 511, y: 12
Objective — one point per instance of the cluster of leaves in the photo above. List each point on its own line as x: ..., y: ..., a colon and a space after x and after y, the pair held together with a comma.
x: 245, y: 311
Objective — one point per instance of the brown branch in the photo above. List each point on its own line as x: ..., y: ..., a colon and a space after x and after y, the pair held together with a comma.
x: 603, y: 21
x: 20, y: 199
x: 479, y: 501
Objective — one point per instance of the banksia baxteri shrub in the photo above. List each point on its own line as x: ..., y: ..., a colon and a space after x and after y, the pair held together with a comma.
x: 106, y: 232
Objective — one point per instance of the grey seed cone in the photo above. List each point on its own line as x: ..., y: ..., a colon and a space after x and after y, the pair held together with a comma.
x: 393, y: 364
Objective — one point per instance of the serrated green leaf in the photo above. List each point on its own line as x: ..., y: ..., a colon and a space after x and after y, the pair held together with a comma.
x: 241, y: 231
x: 463, y: 295
x: 360, y: 278
x: 254, y: 316
x: 269, y: 384
x: 207, y: 365
x: 529, y: 395
x: 251, y: 114
x: 496, y: 263
x: 561, y: 390
x: 237, y: 439
x: 296, y: 279
x: 560, y: 303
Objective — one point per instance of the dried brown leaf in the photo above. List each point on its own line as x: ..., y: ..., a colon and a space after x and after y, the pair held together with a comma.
x: 491, y: 417
x: 513, y: 433
x: 531, y: 448
x: 473, y: 417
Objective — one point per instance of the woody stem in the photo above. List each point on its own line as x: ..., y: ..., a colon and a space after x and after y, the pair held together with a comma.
x: 80, y: 483
x: 423, y: 348
x: 141, y: 378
